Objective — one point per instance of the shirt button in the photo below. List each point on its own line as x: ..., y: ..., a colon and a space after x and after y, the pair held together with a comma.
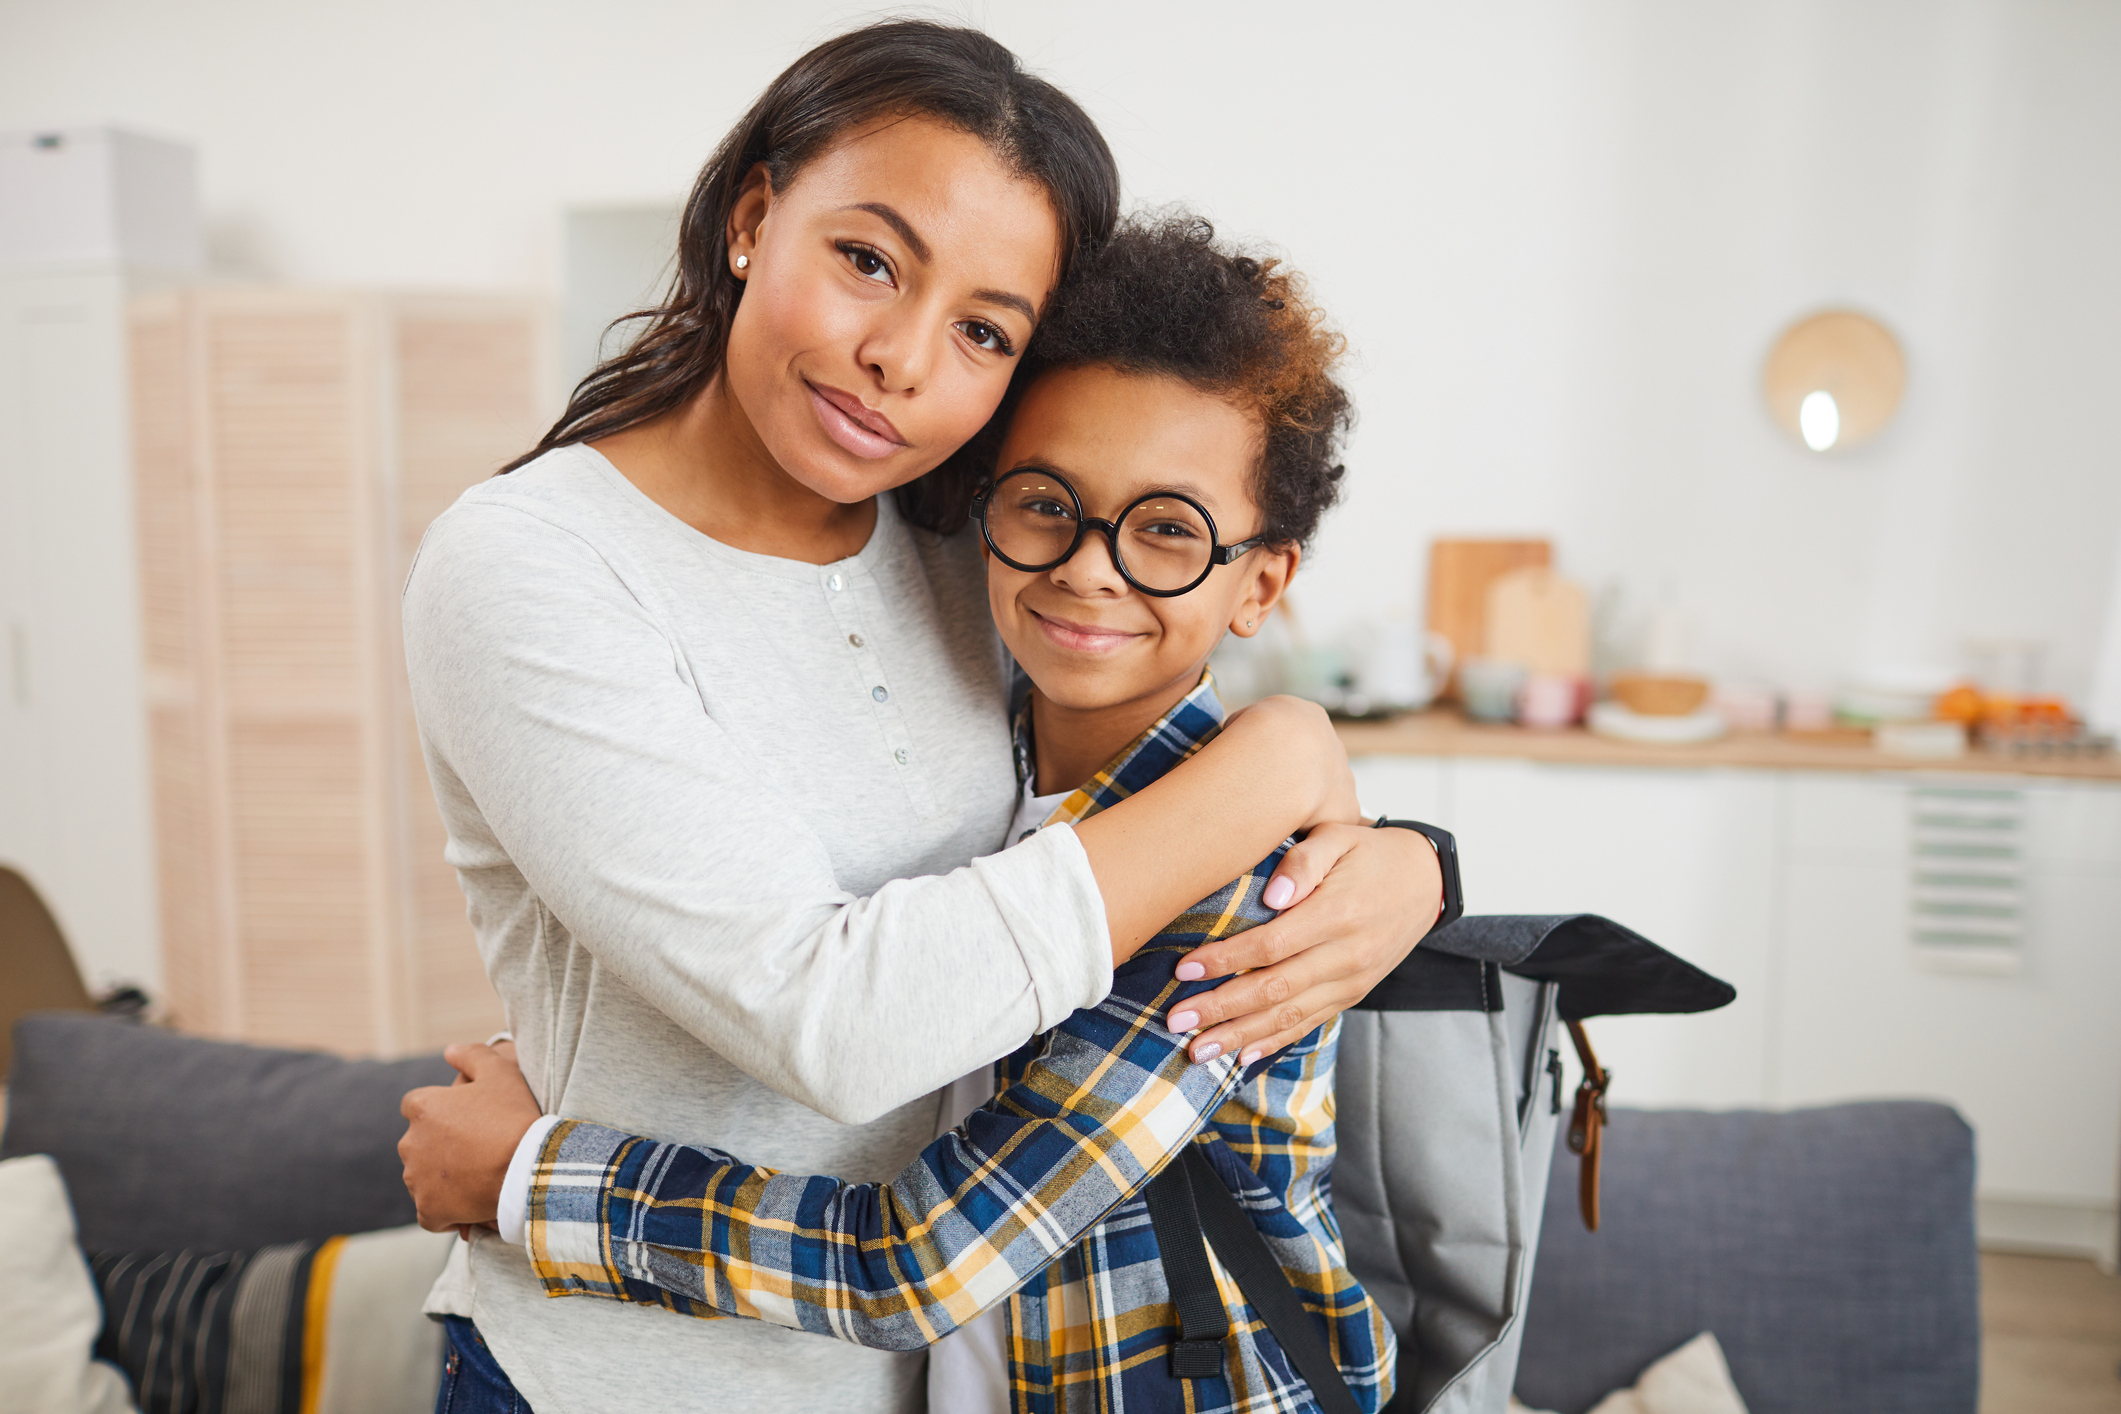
x: 855, y: 639
x: 880, y: 694
x: 834, y: 583
x: 901, y: 756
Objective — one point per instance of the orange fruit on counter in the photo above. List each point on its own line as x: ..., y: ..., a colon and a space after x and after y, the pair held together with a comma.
x: 1962, y: 704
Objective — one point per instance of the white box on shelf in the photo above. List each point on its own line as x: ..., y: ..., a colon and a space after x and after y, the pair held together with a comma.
x: 98, y: 196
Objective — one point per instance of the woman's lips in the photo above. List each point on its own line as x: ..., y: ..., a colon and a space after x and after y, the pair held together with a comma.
x: 1081, y: 638
x: 860, y: 430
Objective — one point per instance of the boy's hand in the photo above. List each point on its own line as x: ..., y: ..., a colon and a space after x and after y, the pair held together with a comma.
x: 461, y: 1137
x: 1358, y: 901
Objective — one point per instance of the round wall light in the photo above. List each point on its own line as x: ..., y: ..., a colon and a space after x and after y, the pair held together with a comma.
x: 1835, y: 379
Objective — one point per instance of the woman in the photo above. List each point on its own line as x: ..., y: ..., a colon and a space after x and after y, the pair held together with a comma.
x: 719, y: 729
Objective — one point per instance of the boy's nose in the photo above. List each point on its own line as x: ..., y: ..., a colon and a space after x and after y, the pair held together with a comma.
x: 1091, y: 569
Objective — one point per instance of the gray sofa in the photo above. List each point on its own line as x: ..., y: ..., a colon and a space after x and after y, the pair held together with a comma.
x: 1831, y: 1251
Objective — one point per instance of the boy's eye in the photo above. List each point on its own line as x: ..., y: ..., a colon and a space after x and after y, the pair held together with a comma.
x: 986, y: 336
x: 1167, y: 529
x: 1056, y: 510
x: 867, y: 262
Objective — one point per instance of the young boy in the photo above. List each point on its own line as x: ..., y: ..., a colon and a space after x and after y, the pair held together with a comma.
x: 1171, y: 451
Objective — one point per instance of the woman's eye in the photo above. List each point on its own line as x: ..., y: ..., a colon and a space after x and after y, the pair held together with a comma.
x: 867, y: 263
x: 1049, y: 508
x: 985, y: 336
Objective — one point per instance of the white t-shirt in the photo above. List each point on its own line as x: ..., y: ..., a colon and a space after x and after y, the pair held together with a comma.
x: 968, y: 1369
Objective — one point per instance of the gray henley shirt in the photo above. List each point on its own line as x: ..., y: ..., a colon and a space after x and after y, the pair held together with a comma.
x: 719, y: 819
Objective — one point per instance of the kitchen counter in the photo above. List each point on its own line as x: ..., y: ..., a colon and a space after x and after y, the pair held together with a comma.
x: 1441, y: 732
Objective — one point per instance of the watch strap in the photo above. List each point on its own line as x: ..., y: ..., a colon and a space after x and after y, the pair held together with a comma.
x: 1446, y: 845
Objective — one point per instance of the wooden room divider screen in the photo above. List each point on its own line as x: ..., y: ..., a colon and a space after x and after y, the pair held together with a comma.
x: 290, y: 449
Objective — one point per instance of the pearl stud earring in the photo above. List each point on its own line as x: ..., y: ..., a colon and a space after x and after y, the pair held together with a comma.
x: 743, y: 262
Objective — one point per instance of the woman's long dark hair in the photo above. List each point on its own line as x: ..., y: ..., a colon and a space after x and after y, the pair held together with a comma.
x: 910, y: 67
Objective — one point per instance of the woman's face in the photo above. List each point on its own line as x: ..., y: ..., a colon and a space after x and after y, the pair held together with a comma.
x: 888, y: 292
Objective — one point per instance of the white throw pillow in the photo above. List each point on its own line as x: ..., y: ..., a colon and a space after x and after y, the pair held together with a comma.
x: 1691, y: 1380
x: 49, y: 1312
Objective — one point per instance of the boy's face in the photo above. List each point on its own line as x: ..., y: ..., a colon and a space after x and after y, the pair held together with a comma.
x: 1089, y: 639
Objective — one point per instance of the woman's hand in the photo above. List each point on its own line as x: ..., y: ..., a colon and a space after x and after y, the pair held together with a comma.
x: 1357, y: 902
x: 457, y: 1148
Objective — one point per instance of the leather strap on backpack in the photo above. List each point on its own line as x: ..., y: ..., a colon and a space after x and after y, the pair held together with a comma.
x: 1587, y: 1124
x: 1188, y: 1199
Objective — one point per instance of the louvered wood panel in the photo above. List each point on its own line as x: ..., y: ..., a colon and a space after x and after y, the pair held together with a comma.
x: 164, y: 488
x: 283, y: 449
x: 293, y: 447
x: 195, y: 963
x: 198, y: 955
x: 299, y: 810
x: 467, y: 380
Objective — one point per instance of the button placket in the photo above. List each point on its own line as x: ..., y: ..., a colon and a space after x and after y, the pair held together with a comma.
x: 846, y: 596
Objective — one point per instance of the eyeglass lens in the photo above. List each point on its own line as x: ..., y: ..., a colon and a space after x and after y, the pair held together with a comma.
x: 1163, y: 542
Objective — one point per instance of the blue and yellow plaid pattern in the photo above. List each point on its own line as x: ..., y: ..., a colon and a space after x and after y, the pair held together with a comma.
x: 1033, y: 1199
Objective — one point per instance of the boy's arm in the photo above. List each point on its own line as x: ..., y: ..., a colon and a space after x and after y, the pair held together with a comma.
x: 898, y: 1265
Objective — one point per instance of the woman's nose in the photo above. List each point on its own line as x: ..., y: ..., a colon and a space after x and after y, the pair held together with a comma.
x: 900, y: 353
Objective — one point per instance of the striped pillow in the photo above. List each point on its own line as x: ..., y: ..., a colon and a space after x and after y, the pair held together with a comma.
x: 299, y: 1328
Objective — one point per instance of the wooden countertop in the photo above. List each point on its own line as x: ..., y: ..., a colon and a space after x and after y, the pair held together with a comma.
x: 1446, y: 733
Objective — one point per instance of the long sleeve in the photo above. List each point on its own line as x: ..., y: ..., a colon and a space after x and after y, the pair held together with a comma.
x: 1109, y: 1098
x: 567, y: 740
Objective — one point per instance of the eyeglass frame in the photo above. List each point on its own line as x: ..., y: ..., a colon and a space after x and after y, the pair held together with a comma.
x: 1219, y: 554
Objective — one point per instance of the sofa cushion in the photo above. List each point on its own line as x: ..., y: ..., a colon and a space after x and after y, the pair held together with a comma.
x: 171, y: 1142
x: 48, y: 1308
x: 329, y: 1327
x: 1831, y: 1251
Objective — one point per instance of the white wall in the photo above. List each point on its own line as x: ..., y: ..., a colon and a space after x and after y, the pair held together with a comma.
x: 1561, y: 237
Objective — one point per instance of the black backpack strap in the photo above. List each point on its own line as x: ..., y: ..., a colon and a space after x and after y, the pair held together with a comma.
x: 1188, y: 1199
x: 1202, y: 1321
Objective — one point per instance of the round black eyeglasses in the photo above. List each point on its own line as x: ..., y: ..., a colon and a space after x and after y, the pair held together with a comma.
x: 1163, y: 543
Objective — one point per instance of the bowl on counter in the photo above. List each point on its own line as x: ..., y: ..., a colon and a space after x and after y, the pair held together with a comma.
x: 1660, y: 695
x: 1622, y: 723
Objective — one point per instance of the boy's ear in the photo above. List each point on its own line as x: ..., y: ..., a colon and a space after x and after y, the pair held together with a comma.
x: 1272, y: 569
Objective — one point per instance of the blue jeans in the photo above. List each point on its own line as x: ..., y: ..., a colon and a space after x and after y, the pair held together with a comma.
x: 472, y: 1380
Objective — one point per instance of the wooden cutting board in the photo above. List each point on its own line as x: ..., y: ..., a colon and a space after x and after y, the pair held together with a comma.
x: 1539, y: 619
x: 1460, y: 572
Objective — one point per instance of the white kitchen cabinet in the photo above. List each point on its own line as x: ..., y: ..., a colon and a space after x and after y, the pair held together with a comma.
x: 1683, y: 857
x: 1406, y: 787
x: 2032, y: 1057
x: 1797, y: 888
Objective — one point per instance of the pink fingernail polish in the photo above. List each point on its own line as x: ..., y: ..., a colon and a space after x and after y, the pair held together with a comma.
x: 1191, y: 972
x: 1249, y: 1056
x: 1279, y: 892
x: 1208, y: 1052
x: 1184, y: 1021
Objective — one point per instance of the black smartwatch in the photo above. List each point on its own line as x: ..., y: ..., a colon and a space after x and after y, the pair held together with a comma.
x: 1454, y: 899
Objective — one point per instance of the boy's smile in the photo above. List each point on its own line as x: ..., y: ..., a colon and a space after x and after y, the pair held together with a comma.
x: 1105, y: 660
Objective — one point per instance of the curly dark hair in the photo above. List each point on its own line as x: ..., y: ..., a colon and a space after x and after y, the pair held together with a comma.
x: 1163, y: 296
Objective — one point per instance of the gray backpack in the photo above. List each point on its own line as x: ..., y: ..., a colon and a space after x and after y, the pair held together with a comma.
x: 1449, y: 1098
x: 1450, y: 1083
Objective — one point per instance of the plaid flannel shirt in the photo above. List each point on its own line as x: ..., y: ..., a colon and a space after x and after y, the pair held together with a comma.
x: 1034, y: 1199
